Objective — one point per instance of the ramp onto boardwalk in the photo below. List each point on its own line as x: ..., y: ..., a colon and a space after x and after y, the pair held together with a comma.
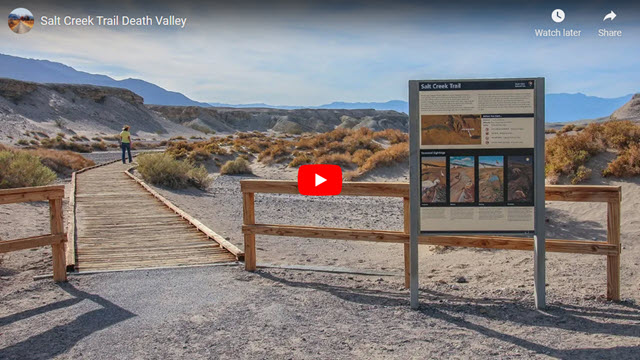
x: 120, y: 225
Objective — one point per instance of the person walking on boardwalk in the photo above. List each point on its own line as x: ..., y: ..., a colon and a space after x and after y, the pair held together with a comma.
x: 125, y: 143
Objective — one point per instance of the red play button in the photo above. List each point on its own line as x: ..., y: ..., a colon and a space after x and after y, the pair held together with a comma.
x: 319, y: 180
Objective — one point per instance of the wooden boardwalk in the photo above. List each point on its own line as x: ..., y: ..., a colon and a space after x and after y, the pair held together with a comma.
x: 120, y: 225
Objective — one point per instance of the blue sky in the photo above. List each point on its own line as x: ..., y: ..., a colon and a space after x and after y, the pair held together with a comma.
x: 312, y: 53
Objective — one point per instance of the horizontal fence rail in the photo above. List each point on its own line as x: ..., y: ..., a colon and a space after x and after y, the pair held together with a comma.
x: 576, y: 193
x: 57, y: 239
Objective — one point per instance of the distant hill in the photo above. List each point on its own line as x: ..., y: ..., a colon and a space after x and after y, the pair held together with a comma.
x: 44, y: 71
x: 572, y: 107
x: 90, y: 110
x: 395, y: 105
x: 559, y: 107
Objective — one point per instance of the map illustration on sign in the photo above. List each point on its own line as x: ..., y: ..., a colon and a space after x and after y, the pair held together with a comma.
x: 451, y: 129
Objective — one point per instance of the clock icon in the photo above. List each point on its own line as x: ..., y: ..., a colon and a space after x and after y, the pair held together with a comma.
x: 557, y: 15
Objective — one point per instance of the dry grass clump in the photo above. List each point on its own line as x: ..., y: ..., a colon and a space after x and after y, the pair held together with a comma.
x: 162, y: 169
x: 567, y: 128
x: 345, y: 147
x: 360, y: 156
x: 276, y: 152
x: 238, y: 166
x: 394, y: 136
x: 301, y: 158
x: 22, y: 169
x: 99, y: 146
x: 627, y: 164
x: 62, y: 162
x: 567, y: 154
x: 195, y: 152
x: 564, y: 154
x: 394, y: 154
x: 343, y: 160
x: 59, y: 143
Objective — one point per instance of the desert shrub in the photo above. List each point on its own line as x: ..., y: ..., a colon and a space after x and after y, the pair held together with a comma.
x: 111, y: 138
x: 237, y: 166
x: 351, y: 175
x: 60, y: 144
x: 23, y: 142
x: 394, y: 136
x: 335, y: 159
x: 177, y: 138
x: 397, y: 153
x: 620, y: 134
x: 199, y: 177
x: 627, y: 163
x: 301, y: 159
x: 252, y: 145
x: 361, y: 156
x: 62, y: 162
x: 275, y: 153
x: 550, y: 131
x: 162, y: 169
x: 214, y: 148
x: 199, y: 154
x: 59, y: 123
x: 96, y: 138
x: 582, y: 173
x: 579, y: 128
x: 138, y: 145
x: 34, y: 142
x: 179, y: 150
x: 21, y: 169
x: 565, y: 154
x: 566, y: 128
x: 99, y: 146
x: 61, y: 134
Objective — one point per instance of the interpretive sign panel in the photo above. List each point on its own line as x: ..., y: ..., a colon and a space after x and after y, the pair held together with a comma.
x: 477, y: 152
x: 477, y: 163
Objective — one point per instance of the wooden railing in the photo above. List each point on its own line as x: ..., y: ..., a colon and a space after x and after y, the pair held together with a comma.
x: 609, y: 194
x: 57, y: 238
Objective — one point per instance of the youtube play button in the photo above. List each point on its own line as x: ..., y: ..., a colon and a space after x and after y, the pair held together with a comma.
x: 319, y: 180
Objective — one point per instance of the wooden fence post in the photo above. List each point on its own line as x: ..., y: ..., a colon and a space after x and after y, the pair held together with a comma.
x: 249, y: 218
x: 613, y: 237
x: 407, y: 252
x: 58, y: 250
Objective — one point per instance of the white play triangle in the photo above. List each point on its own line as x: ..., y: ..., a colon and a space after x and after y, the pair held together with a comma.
x: 319, y: 179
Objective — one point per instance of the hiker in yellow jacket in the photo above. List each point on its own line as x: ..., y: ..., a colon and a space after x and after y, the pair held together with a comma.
x: 125, y: 143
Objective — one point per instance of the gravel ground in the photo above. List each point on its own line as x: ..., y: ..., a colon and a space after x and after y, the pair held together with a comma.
x: 475, y: 303
x: 274, y: 313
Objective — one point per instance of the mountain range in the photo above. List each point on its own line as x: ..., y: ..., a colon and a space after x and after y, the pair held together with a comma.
x: 559, y: 107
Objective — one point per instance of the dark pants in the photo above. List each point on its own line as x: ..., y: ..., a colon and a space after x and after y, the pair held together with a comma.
x: 126, y: 147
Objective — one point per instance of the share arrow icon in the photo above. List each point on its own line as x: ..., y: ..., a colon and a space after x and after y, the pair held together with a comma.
x: 610, y: 16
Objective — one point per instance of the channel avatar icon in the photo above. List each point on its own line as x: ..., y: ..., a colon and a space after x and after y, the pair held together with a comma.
x: 21, y: 21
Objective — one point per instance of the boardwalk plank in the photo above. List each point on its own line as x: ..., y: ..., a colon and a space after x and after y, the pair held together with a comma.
x: 121, y: 226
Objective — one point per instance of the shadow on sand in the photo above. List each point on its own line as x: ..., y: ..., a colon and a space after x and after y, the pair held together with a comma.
x: 456, y: 309
x: 61, y: 338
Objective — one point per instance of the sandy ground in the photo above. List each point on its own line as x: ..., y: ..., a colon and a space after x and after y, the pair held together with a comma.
x: 475, y: 303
